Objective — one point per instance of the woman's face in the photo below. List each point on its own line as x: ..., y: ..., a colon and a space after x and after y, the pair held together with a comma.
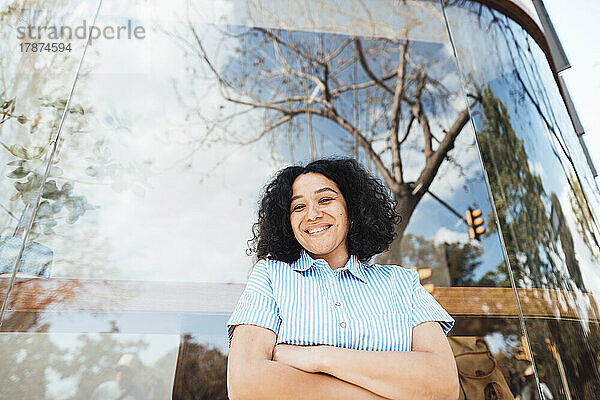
x: 319, y: 218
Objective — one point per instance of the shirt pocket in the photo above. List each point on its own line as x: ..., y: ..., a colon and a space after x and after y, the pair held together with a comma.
x: 385, y: 332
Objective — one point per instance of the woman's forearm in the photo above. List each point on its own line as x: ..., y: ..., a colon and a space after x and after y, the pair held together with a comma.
x: 266, y: 379
x: 391, y: 374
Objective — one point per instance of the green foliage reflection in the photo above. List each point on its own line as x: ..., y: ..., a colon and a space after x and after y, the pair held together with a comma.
x: 525, y: 211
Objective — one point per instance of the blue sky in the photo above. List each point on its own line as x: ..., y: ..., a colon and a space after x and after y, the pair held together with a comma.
x: 576, y: 22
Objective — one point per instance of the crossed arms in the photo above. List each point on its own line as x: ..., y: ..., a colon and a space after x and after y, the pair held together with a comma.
x: 257, y: 369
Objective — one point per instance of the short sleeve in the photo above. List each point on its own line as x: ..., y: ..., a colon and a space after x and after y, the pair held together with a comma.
x: 257, y: 305
x: 425, y: 307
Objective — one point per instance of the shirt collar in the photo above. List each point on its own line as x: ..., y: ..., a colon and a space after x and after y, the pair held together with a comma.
x: 353, y: 264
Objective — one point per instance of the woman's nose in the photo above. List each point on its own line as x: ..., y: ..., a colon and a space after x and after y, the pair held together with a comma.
x: 314, y: 211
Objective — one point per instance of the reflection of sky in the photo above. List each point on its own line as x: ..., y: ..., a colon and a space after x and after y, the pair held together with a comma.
x: 162, y: 212
x: 162, y: 230
x: 498, y: 342
x: 574, y: 28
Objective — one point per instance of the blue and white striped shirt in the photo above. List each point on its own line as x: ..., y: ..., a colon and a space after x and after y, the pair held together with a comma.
x: 360, y: 306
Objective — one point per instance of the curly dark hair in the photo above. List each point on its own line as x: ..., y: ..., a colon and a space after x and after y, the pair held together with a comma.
x: 370, y: 207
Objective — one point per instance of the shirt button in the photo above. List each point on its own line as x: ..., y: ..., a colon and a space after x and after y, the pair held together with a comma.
x: 338, y: 304
x: 342, y: 324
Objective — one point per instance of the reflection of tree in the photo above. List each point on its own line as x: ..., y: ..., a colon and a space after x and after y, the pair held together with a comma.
x: 20, y: 365
x: 28, y: 166
x: 452, y: 264
x: 7, y: 111
x: 33, y: 365
x: 201, y: 372
x: 463, y: 259
x: 94, y: 360
x: 457, y: 262
x: 32, y: 94
x: 566, y: 342
x: 375, y: 96
x: 514, y: 47
x: 531, y: 87
x: 583, y: 217
x: 31, y: 355
x: 563, y: 234
x: 521, y: 203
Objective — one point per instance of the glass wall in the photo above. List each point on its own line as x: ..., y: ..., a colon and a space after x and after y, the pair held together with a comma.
x: 541, y: 191
x: 33, y: 93
x: 180, y: 114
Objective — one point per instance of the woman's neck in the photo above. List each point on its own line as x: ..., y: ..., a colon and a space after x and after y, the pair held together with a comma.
x: 334, y: 260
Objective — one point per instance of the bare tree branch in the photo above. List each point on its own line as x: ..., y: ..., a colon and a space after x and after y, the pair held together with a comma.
x: 395, y: 116
x: 291, y: 99
x: 363, y: 62
x: 311, y: 84
x: 408, y: 127
x: 8, y: 212
x: 337, y: 52
x: 294, y: 48
x: 340, y: 90
x: 424, y: 122
x: 268, y: 129
x: 419, y: 114
x: 258, y: 105
x: 365, y: 145
x: 204, y: 56
x: 297, y: 73
x: 435, y: 160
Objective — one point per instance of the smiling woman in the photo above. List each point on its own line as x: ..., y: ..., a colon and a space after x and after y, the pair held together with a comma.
x: 319, y: 219
x: 316, y: 320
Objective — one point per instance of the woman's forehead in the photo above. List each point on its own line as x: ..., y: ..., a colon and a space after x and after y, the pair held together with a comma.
x: 312, y: 182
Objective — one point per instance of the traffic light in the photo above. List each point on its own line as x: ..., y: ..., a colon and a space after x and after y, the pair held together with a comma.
x: 552, y: 348
x: 475, y: 222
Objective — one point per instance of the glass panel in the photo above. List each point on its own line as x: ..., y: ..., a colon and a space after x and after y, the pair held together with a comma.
x: 505, y: 341
x: 38, y: 60
x: 566, y: 357
x: 75, y: 337
x: 124, y: 169
x: 87, y: 366
x: 542, y: 184
x: 34, y: 88
x: 181, y: 121
x: 526, y: 141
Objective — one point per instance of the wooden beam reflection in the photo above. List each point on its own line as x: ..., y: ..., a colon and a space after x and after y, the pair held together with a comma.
x: 72, y: 295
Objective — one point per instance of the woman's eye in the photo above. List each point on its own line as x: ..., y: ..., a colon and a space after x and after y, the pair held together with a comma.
x: 325, y: 200
x: 298, y: 207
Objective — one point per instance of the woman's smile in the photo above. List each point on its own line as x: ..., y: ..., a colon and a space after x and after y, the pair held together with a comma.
x: 315, y: 231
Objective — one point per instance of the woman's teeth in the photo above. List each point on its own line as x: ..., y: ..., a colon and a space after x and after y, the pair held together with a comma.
x: 311, y: 231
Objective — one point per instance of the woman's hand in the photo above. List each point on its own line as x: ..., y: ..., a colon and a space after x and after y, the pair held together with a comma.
x: 305, y: 358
